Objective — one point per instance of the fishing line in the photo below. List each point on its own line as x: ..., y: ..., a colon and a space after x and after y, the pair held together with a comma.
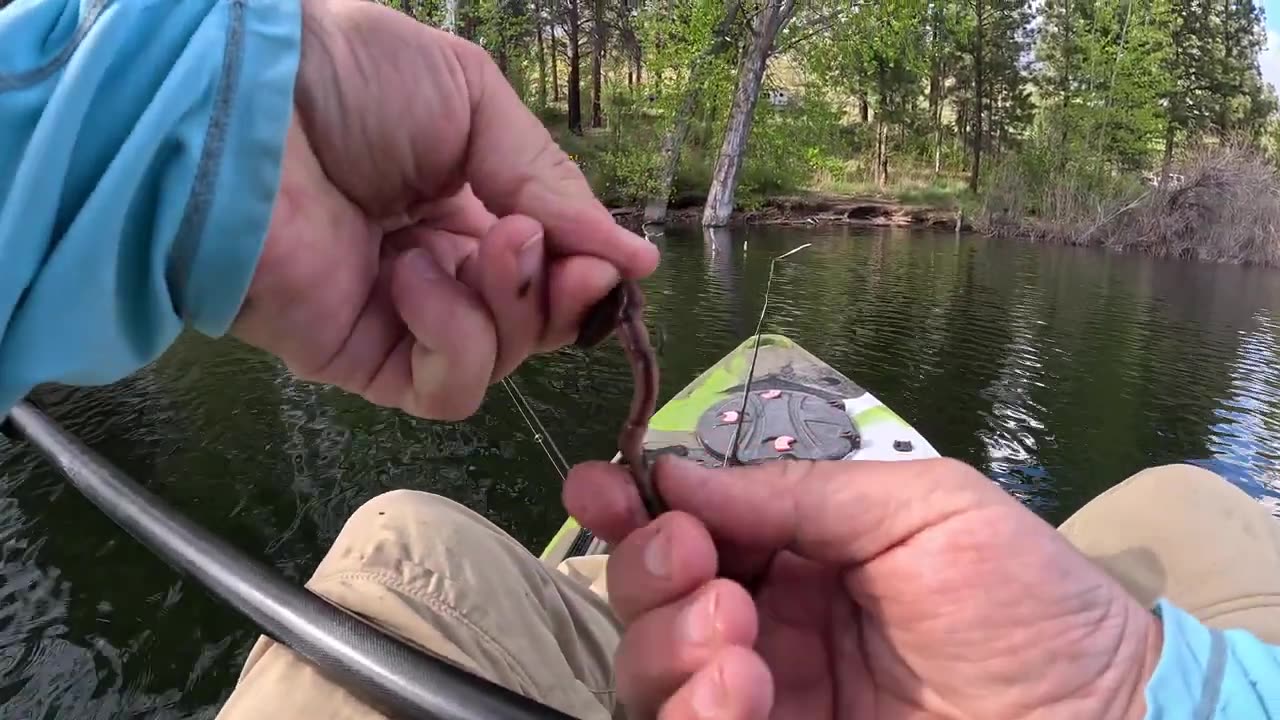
x: 539, y: 431
x: 755, y: 353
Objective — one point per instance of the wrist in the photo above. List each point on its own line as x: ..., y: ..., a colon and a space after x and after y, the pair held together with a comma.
x: 1120, y: 691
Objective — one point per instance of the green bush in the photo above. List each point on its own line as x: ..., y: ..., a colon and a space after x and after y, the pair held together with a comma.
x: 623, y: 174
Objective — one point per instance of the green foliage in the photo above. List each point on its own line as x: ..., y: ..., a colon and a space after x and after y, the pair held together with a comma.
x: 1076, y: 101
x: 787, y: 146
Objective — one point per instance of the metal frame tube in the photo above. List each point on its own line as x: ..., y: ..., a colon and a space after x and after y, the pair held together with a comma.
x: 396, y: 678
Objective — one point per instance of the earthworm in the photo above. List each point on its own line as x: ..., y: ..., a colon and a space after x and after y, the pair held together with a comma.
x: 622, y: 312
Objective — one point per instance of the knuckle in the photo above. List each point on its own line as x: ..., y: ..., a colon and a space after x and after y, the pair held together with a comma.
x: 797, y: 473
x: 477, y: 68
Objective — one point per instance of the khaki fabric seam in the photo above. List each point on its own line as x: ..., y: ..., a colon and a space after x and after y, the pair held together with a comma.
x: 1253, y: 601
x: 387, y: 580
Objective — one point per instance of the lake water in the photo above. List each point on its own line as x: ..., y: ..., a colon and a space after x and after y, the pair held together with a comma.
x: 1057, y: 371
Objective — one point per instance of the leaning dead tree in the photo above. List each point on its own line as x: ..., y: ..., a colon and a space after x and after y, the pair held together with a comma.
x: 655, y: 210
x: 769, y: 21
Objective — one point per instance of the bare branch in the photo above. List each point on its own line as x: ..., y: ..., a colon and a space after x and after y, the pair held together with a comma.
x: 824, y: 23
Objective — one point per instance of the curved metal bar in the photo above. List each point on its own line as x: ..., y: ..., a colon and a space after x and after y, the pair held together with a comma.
x: 396, y: 678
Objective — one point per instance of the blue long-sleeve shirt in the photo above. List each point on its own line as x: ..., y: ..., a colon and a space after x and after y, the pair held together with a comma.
x: 1208, y: 674
x: 140, y: 148
x: 140, y: 152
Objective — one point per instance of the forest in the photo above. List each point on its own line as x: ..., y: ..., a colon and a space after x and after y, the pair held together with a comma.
x: 1048, y: 118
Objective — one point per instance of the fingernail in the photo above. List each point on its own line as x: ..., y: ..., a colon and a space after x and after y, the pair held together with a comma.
x: 708, y: 695
x: 698, y: 622
x: 657, y: 555
x: 529, y: 261
x: 420, y: 262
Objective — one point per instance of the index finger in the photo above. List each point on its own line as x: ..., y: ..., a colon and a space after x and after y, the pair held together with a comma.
x: 514, y: 166
x: 602, y: 498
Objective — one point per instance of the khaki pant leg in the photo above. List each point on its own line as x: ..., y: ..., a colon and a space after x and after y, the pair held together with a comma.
x: 1185, y: 534
x: 441, y: 576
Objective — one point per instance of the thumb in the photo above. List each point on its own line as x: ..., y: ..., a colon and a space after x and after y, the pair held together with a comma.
x: 838, y: 513
x: 514, y: 166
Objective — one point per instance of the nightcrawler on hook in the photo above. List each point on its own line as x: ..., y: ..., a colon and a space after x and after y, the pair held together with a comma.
x: 622, y: 311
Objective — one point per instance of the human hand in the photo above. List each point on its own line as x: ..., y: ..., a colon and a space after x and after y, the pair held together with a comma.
x: 913, y: 589
x: 428, y: 234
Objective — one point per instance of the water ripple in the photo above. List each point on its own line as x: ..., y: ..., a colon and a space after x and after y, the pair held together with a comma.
x: 1057, y: 371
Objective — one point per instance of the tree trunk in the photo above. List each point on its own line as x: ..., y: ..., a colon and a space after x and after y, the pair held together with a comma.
x: 451, y: 16
x: 1224, y: 106
x: 884, y: 99
x: 875, y: 154
x: 975, y: 170
x: 882, y: 152
x: 655, y: 210
x: 937, y: 83
x: 575, y: 71
x: 555, y: 63
x: 1068, y: 54
x: 468, y: 19
x: 935, y: 118
x: 937, y: 149
x: 407, y: 7
x: 993, y: 130
x: 773, y: 16
x: 597, y: 61
x: 542, y: 56
x: 864, y: 109
x: 1168, y: 154
x: 937, y: 139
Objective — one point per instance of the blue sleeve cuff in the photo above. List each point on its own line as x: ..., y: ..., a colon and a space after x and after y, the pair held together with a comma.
x: 1210, y: 674
x: 229, y: 210
x: 142, y: 154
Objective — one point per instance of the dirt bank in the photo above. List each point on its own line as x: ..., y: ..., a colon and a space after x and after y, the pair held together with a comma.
x: 815, y: 210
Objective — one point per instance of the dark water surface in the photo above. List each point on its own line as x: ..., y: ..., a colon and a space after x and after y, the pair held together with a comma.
x: 1057, y: 371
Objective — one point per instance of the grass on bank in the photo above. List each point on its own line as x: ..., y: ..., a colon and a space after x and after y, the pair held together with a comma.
x: 909, y: 186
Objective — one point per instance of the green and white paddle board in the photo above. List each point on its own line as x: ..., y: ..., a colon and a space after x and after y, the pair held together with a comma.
x: 799, y: 407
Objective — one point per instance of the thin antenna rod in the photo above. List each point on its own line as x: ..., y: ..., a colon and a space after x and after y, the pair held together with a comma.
x: 755, y: 353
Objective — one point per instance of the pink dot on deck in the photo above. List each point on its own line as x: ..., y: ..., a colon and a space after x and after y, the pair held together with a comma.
x: 729, y: 416
x: 771, y: 394
x: 782, y: 443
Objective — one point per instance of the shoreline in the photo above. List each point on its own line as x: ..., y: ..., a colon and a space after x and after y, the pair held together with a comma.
x: 814, y: 209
